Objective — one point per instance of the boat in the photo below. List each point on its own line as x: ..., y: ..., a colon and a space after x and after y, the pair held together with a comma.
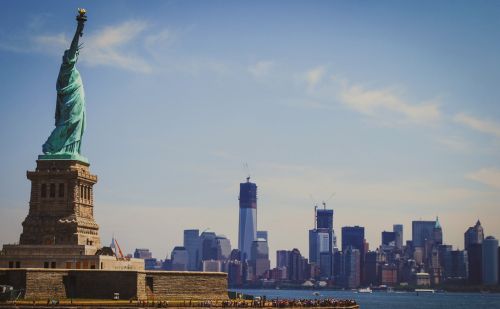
x: 365, y: 290
x: 418, y: 291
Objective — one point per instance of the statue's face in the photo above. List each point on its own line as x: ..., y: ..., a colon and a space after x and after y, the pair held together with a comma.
x: 66, y: 58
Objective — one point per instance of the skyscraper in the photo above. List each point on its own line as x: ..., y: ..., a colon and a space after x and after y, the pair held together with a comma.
x: 180, y: 259
x: 354, y: 237
x: 475, y: 261
x: 319, y: 242
x: 262, y: 234
x: 324, y: 218
x: 422, y: 231
x: 473, y: 235
x: 222, y: 247
x: 322, y: 241
x: 260, y: 257
x: 371, y: 268
x: 296, y: 266
x: 191, y: 243
x: 141, y: 253
x: 455, y: 264
x: 247, y: 231
x: 389, y: 238
x: 437, y: 233
x: 490, y: 261
x: 398, y: 230
x: 282, y: 258
x: 207, y: 246
x: 352, y: 270
x: 473, y: 240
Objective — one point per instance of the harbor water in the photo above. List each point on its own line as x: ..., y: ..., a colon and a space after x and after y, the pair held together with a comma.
x: 395, y: 300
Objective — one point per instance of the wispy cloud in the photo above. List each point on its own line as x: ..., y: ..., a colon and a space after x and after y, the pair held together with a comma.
x: 454, y: 143
x: 109, y: 47
x: 384, y: 104
x: 314, y: 76
x: 57, y: 41
x: 377, y: 102
x: 156, y: 43
x: 481, y: 125
x: 261, y: 68
x: 489, y: 176
x: 127, y: 45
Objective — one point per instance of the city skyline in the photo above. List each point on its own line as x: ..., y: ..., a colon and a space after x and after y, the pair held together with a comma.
x: 392, y: 107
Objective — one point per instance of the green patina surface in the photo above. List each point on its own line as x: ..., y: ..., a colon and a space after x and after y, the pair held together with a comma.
x: 64, y: 156
x: 64, y: 143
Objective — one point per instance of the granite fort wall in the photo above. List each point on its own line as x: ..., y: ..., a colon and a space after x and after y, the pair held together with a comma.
x: 167, y: 285
x: 42, y: 284
x: 102, y: 284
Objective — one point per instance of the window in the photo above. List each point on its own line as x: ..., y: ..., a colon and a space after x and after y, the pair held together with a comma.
x: 53, y: 265
x: 68, y: 265
x: 44, y: 190
x: 11, y: 264
x: 77, y: 265
x: 81, y: 192
x: 45, y: 264
x: 18, y: 264
x: 61, y: 190
x: 52, y: 190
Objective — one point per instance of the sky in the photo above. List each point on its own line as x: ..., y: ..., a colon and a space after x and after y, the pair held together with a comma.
x: 392, y: 106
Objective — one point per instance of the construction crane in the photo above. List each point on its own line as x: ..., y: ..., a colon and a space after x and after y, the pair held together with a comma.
x: 247, y: 170
x: 324, y: 202
x: 316, y: 206
x: 116, y: 249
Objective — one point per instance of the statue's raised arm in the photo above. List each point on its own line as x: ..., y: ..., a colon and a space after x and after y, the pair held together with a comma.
x: 72, y: 52
x: 65, y: 140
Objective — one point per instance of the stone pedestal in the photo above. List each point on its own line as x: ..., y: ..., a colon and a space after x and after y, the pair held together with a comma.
x: 61, y: 210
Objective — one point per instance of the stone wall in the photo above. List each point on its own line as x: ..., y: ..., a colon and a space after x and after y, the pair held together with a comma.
x: 102, y: 284
x: 42, y: 284
x: 187, y: 285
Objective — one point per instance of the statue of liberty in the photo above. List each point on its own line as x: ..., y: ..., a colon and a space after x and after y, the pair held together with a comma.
x: 65, y: 140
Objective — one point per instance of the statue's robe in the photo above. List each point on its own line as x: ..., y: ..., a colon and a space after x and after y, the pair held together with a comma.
x: 70, y: 110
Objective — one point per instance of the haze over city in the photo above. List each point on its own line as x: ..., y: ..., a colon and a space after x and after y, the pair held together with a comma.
x: 392, y: 106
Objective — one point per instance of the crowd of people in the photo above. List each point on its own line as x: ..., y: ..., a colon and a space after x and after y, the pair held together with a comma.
x: 327, y: 302
x: 287, y: 303
x: 259, y: 303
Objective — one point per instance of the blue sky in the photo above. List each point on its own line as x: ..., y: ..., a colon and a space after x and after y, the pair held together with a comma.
x: 391, y: 105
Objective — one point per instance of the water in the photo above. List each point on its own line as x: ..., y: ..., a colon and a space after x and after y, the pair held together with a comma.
x: 379, y: 300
